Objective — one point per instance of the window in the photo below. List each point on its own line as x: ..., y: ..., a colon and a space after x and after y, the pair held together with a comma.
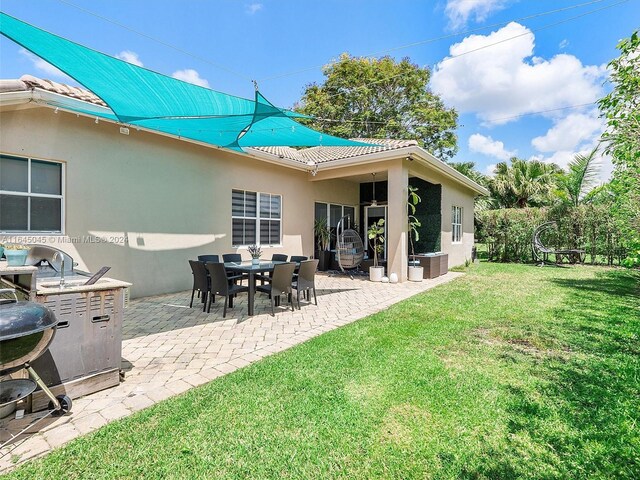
x: 456, y: 224
x: 332, y: 213
x: 30, y: 195
x: 256, y: 218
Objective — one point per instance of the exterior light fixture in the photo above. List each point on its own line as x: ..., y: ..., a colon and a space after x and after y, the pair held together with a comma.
x: 96, y: 120
x: 312, y: 167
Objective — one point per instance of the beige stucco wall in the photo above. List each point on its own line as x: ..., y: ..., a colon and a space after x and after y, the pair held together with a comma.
x: 453, y: 193
x: 170, y: 199
x: 456, y: 194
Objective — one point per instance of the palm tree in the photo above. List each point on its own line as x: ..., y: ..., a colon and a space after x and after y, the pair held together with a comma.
x: 524, y: 183
x: 581, y: 178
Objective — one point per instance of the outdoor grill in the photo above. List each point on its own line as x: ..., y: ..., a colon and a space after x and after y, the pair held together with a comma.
x: 26, y: 330
x: 85, y: 355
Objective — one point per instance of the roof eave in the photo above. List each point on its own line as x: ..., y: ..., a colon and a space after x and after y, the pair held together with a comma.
x: 413, y: 152
x: 447, y: 170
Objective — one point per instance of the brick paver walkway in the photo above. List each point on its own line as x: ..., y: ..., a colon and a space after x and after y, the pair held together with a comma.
x: 169, y: 348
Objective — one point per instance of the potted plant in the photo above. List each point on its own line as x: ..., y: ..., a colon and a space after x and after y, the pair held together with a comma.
x: 16, y: 254
x: 376, y: 239
x: 255, y: 251
x: 323, y: 239
x: 416, y: 272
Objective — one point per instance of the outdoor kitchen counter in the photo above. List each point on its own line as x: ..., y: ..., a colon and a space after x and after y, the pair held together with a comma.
x: 51, y: 286
x: 6, y: 269
x: 85, y: 355
x: 10, y: 274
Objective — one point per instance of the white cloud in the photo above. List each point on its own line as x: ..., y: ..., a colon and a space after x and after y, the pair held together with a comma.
x: 563, y: 44
x: 45, y: 67
x: 253, y: 8
x: 570, y: 132
x: 490, y: 169
x: 459, y: 11
x: 130, y: 57
x: 488, y: 146
x: 505, y: 79
x: 576, y: 133
x: 191, y: 76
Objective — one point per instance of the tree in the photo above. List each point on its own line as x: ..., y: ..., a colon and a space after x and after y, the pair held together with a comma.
x: 580, y: 179
x: 380, y: 98
x: 468, y: 169
x: 524, y: 183
x: 621, y: 108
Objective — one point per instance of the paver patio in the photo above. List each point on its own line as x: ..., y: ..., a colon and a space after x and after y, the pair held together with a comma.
x: 169, y: 348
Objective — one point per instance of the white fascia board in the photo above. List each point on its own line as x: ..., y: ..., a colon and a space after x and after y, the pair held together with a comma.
x: 8, y: 99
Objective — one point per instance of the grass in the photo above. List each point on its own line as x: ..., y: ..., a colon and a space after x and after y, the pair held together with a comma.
x: 510, y: 372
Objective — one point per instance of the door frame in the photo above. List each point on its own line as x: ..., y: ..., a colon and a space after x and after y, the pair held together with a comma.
x: 366, y: 226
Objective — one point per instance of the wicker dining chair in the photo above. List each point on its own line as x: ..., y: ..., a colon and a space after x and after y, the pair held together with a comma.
x: 281, y: 279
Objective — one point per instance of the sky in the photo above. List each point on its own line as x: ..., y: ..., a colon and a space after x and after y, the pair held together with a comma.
x: 524, y: 81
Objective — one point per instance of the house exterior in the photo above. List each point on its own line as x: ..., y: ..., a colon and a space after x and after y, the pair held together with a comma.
x: 145, y: 202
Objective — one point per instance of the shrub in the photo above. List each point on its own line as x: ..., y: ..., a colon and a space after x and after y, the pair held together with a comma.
x: 591, y: 227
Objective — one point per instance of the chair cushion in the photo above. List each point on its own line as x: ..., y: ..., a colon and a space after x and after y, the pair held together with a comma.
x: 264, y: 288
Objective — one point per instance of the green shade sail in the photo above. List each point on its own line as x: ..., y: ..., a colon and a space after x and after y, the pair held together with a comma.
x: 144, y: 98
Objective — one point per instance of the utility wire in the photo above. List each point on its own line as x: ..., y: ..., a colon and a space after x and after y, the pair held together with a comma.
x: 443, y: 37
x: 530, y: 32
x: 161, y: 42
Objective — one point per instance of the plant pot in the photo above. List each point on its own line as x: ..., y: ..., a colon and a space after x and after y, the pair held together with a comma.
x: 324, y: 260
x: 255, y: 261
x: 376, y: 274
x: 416, y: 274
x: 16, y: 258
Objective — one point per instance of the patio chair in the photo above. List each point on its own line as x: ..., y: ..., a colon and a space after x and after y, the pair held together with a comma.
x: 237, y: 258
x: 276, y: 257
x: 306, y: 280
x: 220, y: 285
x: 200, y: 282
x: 232, y: 257
x: 298, y: 258
x: 209, y: 258
x: 280, y: 284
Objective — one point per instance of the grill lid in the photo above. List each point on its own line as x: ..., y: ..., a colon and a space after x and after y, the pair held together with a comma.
x: 19, y: 319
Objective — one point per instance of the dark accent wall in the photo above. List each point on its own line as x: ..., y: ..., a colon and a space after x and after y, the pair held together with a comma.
x: 429, y: 213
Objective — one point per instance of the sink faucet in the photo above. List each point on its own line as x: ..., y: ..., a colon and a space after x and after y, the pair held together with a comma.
x: 61, y: 255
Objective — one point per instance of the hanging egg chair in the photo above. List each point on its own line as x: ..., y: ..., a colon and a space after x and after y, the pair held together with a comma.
x: 349, y: 247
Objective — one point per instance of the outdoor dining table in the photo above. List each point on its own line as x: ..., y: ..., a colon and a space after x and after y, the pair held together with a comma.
x: 252, y: 269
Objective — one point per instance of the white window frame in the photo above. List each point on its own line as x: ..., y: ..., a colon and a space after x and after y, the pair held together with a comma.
x: 258, y: 218
x: 342, y: 207
x: 457, y: 213
x: 30, y: 195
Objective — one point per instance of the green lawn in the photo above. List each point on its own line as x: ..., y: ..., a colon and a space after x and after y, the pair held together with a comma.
x: 512, y: 371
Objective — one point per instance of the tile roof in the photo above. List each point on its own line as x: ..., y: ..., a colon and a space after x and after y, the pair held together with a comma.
x: 62, y: 89
x: 328, y: 154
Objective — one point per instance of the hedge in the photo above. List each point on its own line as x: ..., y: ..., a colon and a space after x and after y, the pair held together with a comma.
x: 508, y: 233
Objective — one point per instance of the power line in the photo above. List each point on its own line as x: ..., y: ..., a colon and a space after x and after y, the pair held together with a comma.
x: 443, y: 37
x: 161, y: 42
x: 529, y: 32
x: 493, y: 120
